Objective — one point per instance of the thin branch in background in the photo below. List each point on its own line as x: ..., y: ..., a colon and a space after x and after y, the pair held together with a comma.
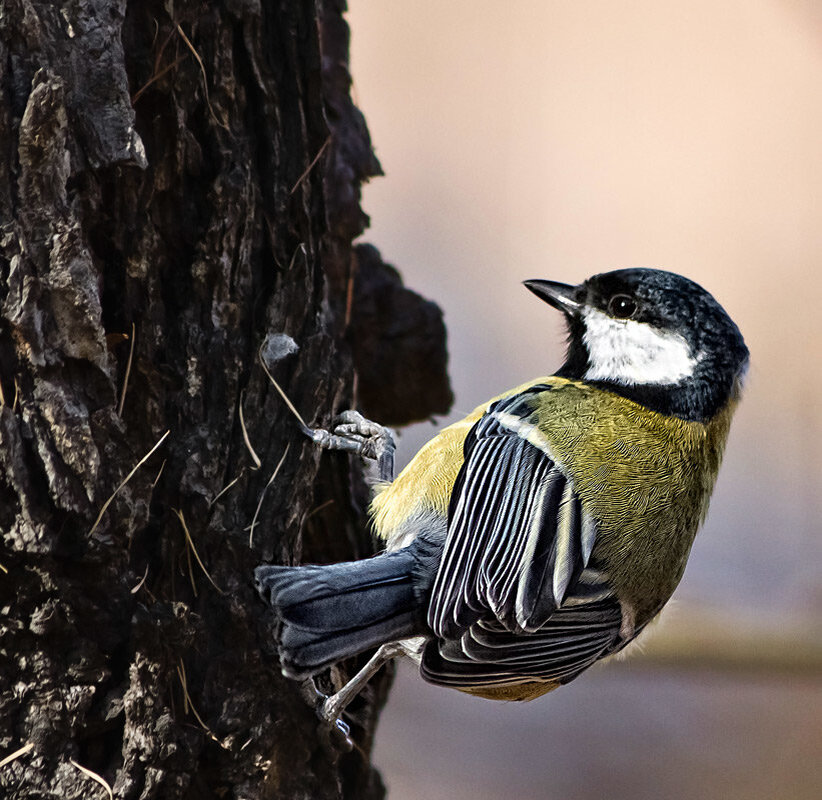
x: 16, y: 754
x: 262, y: 494
x: 311, y: 165
x: 142, y: 581
x: 189, y: 705
x: 95, y: 777
x: 320, y: 508
x: 205, y: 77
x: 156, y: 72
x: 181, y: 674
x: 156, y: 77
x: 191, y: 570
x: 349, y: 289
x: 282, y: 393
x: 226, y: 488
x: 194, y: 550
x: 128, y: 372
x: 126, y: 480
x: 254, y: 456
x: 159, y: 473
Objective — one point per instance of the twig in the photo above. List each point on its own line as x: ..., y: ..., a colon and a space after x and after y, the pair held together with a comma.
x: 310, y: 166
x: 154, y: 78
x: 320, y: 508
x: 194, y: 550
x: 205, y: 77
x: 181, y: 674
x: 128, y: 372
x: 226, y: 488
x: 94, y: 776
x: 190, y: 570
x: 282, y: 393
x: 156, y: 72
x: 247, y: 441
x: 126, y: 480
x: 159, y: 473
x: 188, y: 704
x: 349, y: 289
x: 297, y: 249
x: 142, y: 581
x: 16, y: 754
x: 262, y: 494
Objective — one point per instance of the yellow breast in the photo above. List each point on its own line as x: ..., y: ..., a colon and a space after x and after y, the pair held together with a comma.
x: 646, y: 478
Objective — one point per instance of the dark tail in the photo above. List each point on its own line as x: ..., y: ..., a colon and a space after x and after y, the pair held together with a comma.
x: 331, y: 612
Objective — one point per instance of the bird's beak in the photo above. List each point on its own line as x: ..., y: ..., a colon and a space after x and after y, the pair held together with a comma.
x: 559, y: 295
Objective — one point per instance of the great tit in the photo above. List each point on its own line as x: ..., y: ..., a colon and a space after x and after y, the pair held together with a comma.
x: 545, y: 530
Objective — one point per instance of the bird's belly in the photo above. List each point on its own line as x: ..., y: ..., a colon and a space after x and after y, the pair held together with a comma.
x: 527, y: 690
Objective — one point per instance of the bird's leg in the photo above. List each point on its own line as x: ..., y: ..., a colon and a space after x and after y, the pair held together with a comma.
x: 353, y: 433
x: 332, y: 707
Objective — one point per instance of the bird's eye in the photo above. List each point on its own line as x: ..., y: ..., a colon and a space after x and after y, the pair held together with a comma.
x: 622, y: 306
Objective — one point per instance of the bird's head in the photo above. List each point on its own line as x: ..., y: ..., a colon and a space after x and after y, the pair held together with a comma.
x: 652, y: 336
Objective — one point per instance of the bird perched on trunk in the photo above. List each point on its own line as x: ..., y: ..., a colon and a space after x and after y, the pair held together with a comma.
x: 545, y: 530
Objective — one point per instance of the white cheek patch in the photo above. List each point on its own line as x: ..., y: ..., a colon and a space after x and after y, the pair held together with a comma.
x: 630, y: 352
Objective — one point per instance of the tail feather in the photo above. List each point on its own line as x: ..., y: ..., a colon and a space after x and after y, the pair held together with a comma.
x: 331, y: 612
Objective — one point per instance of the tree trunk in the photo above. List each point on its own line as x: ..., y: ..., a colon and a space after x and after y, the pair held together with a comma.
x: 179, y: 191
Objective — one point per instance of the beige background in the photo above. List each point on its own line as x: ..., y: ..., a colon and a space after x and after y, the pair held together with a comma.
x: 555, y: 140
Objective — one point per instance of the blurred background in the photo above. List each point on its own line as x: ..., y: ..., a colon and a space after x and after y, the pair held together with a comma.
x: 550, y: 139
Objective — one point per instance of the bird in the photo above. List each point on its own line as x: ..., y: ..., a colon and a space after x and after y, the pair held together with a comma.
x: 544, y: 531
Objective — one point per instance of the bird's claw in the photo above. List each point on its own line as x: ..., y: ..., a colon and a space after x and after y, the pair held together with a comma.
x: 345, y: 729
x: 329, y: 712
x: 351, y: 432
x: 352, y: 423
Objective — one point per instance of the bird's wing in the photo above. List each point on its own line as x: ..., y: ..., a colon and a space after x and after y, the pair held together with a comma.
x: 516, y: 559
x: 488, y: 655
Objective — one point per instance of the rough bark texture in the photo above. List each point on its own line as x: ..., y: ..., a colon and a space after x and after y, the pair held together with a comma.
x: 190, y: 172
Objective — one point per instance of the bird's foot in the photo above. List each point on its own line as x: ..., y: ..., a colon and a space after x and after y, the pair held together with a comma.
x: 330, y: 708
x: 352, y: 433
x: 330, y: 712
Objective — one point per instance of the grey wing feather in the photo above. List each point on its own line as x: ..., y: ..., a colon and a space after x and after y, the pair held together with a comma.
x: 517, y: 560
x: 487, y: 654
x: 518, y: 537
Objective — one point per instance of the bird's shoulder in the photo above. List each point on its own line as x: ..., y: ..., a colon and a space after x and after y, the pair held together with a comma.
x: 424, y: 487
x: 560, y: 409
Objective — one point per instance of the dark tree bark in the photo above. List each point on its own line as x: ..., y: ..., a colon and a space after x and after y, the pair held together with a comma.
x: 187, y: 173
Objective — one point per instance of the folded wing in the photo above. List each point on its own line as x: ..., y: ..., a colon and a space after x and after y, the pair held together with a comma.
x: 516, y: 592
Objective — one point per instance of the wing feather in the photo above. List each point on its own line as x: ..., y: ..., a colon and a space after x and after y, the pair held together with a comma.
x: 516, y: 593
x: 569, y: 643
x: 517, y: 535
